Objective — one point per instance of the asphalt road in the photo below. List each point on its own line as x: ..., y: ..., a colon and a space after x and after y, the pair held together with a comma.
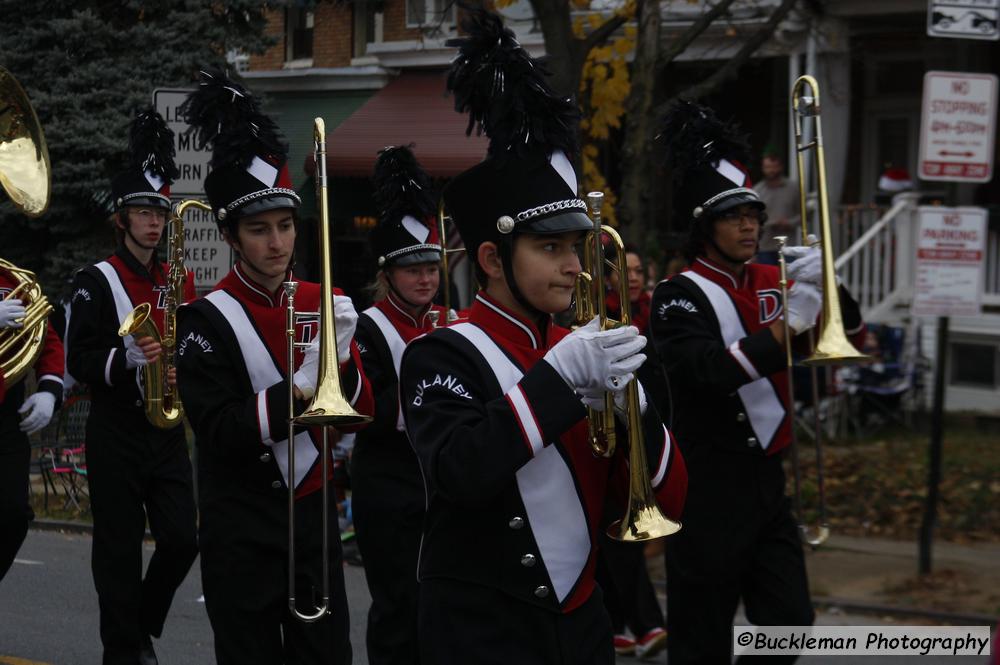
x: 48, y: 613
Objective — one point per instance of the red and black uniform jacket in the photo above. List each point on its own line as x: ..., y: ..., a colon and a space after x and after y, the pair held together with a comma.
x: 728, y: 376
x: 384, y: 330
x: 639, y: 309
x: 233, y: 374
x: 103, y: 295
x: 514, y: 492
x: 49, y: 369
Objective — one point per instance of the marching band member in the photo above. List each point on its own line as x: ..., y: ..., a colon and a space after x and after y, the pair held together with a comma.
x: 387, y: 491
x: 718, y: 328
x: 19, y: 417
x: 134, y: 470
x: 234, y: 381
x: 494, y: 406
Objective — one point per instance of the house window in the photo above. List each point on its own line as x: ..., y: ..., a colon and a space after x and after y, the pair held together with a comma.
x: 298, y: 35
x: 973, y: 365
x: 367, y: 27
x: 429, y: 13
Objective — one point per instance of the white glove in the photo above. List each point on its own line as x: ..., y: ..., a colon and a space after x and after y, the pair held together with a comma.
x: 37, y: 411
x: 590, y: 359
x: 595, y: 401
x: 10, y: 312
x: 308, y: 373
x: 346, y: 319
x: 804, y: 302
x: 134, y: 357
x: 806, y: 264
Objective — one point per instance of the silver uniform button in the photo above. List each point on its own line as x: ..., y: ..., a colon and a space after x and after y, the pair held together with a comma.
x: 276, y: 484
x: 266, y: 457
x: 752, y: 441
x: 138, y: 402
x: 528, y: 560
x: 542, y: 592
x: 516, y: 523
x: 741, y: 417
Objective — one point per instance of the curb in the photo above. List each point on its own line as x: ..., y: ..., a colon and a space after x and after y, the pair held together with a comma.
x: 955, y: 618
x: 65, y: 526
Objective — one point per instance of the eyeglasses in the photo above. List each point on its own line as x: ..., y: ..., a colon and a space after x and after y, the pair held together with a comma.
x: 736, y: 217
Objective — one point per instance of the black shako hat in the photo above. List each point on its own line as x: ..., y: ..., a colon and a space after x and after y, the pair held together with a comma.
x: 527, y: 183
x: 249, y: 157
x: 150, y: 171
x: 707, y: 158
x: 406, y: 233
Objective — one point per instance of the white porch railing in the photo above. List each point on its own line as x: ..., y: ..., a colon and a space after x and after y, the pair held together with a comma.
x: 875, y: 257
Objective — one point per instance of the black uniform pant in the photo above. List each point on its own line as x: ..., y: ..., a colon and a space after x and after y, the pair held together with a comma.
x: 135, y: 475
x: 15, y: 509
x: 739, y: 541
x: 467, y: 624
x: 388, y: 508
x: 245, y: 579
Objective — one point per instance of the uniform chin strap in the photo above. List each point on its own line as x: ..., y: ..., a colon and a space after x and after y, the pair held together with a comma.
x: 507, y: 257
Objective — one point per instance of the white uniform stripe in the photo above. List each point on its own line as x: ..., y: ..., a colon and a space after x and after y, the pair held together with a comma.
x: 764, y: 407
x: 107, y: 367
x: 262, y: 420
x: 661, y: 468
x: 123, y: 307
x: 264, y: 373
x: 737, y: 353
x: 357, y: 388
x: 527, y: 419
x: 396, y: 347
x: 546, y: 485
x: 50, y: 377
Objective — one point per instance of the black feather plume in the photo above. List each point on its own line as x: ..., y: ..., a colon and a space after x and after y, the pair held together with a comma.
x: 695, y: 137
x: 505, y: 91
x: 402, y: 187
x: 151, y: 145
x: 228, y: 118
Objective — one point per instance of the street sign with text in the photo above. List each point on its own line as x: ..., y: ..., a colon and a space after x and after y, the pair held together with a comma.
x: 958, y: 126
x: 950, y: 248
x: 205, y: 251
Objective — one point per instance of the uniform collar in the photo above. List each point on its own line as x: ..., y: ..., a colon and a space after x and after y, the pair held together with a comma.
x: 133, y: 263
x: 722, y: 276
x: 498, y: 320
x: 404, y: 323
x: 239, y: 281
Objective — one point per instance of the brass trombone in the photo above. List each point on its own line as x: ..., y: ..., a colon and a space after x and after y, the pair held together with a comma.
x: 449, y: 314
x: 329, y: 407
x: 26, y: 177
x: 833, y: 347
x: 643, y: 519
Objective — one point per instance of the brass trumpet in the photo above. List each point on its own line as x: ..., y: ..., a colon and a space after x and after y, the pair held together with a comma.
x: 329, y: 407
x: 643, y: 519
x: 833, y: 347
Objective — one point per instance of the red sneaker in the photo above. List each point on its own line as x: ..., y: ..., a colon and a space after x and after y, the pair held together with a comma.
x: 651, y: 643
x: 624, y: 645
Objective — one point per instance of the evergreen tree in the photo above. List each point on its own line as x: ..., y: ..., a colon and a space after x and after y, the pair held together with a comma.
x: 86, y: 65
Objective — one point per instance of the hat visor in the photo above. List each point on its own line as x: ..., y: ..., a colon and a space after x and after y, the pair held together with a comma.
x: 735, y: 200
x: 147, y: 201
x: 573, y: 220
x: 421, y: 256
x: 267, y: 203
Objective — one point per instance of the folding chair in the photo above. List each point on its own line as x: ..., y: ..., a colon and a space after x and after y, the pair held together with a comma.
x: 65, y: 461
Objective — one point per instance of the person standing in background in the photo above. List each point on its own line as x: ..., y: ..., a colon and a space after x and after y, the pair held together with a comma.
x: 781, y: 196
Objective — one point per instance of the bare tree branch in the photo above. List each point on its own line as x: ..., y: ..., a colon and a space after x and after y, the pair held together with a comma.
x: 602, y: 32
x: 680, y: 44
x: 733, y: 65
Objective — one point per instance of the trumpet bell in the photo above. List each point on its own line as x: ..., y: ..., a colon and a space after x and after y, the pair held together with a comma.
x: 642, y: 523
x: 25, y: 171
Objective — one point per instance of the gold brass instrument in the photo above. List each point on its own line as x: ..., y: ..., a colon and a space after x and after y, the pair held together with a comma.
x: 643, y: 519
x: 833, y: 347
x: 329, y: 407
x: 26, y: 177
x: 163, y: 406
x: 449, y: 314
